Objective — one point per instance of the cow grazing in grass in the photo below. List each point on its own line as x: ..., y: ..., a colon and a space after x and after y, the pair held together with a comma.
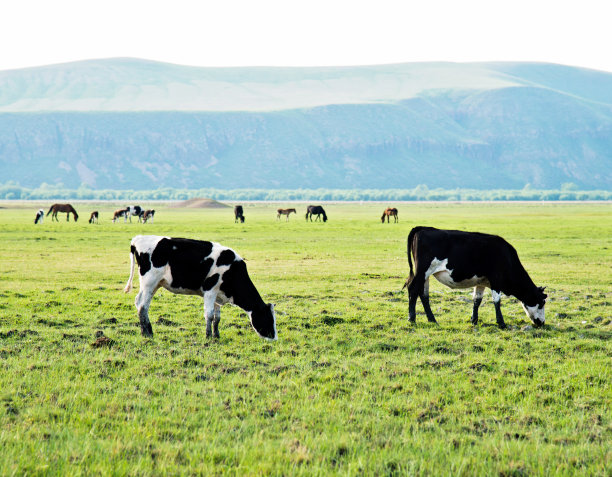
x: 148, y: 215
x: 470, y: 259
x: 194, y: 267
x: 40, y: 216
x: 134, y: 210
x: 238, y: 214
x: 93, y: 218
x: 120, y: 213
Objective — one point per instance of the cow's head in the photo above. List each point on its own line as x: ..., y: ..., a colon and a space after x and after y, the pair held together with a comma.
x: 264, y: 321
x: 535, y: 311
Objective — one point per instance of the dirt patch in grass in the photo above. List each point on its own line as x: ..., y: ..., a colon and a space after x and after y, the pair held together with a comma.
x: 200, y: 203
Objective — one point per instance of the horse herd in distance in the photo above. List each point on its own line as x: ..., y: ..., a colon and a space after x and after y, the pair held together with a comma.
x: 147, y: 215
x: 143, y: 215
x: 310, y: 211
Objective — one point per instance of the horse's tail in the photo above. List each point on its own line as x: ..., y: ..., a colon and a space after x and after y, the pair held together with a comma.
x: 411, y: 235
x: 51, y: 209
x: 128, y: 285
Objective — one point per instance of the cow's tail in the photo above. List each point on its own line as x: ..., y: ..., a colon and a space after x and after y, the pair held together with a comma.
x: 128, y: 286
x: 411, y: 235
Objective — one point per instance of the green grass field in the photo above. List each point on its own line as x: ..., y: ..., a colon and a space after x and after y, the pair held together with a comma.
x: 350, y: 387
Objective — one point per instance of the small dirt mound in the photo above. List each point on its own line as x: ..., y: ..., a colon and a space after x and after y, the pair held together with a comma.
x: 198, y: 203
x: 102, y: 341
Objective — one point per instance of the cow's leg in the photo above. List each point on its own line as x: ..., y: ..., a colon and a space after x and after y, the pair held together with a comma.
x: 478, y: 292
x: 209, y: 311
x: 216, y: 321
x: 142, y: 302
x: 414, y: 291
x: 425, y: 300
x: 497, y: 303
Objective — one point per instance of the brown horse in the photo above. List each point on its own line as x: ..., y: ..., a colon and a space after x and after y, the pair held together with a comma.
x: 55, y: 208
x: 284, y: 212
x: 389, y: 211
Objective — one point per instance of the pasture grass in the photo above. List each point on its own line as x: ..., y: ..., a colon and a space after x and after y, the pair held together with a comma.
x: 350, y: 387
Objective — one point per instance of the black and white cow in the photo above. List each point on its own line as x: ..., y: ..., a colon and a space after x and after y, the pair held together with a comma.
x: 40, y: 216
x: 135, y: 210
x: 470, y: 259
x: 194, y: 267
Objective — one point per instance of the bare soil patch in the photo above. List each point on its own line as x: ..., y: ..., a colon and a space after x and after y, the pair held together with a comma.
x: 199, y: 203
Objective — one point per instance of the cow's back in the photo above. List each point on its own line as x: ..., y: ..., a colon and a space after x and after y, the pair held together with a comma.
x: 468, y: 253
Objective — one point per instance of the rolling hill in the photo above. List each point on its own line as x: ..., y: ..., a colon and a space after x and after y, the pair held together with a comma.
x: 135, y: 124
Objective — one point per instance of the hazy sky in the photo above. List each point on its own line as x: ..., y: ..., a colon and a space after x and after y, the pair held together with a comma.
x: 306, y: 32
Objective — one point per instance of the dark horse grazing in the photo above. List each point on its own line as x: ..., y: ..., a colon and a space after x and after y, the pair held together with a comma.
x: 238, y: 214
x: 55, y: 208
x: 315, y: 210
x: 389, y: 212
x: 284, y: 212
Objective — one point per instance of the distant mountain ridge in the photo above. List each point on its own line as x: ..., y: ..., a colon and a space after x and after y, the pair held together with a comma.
x: 128, y: 123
